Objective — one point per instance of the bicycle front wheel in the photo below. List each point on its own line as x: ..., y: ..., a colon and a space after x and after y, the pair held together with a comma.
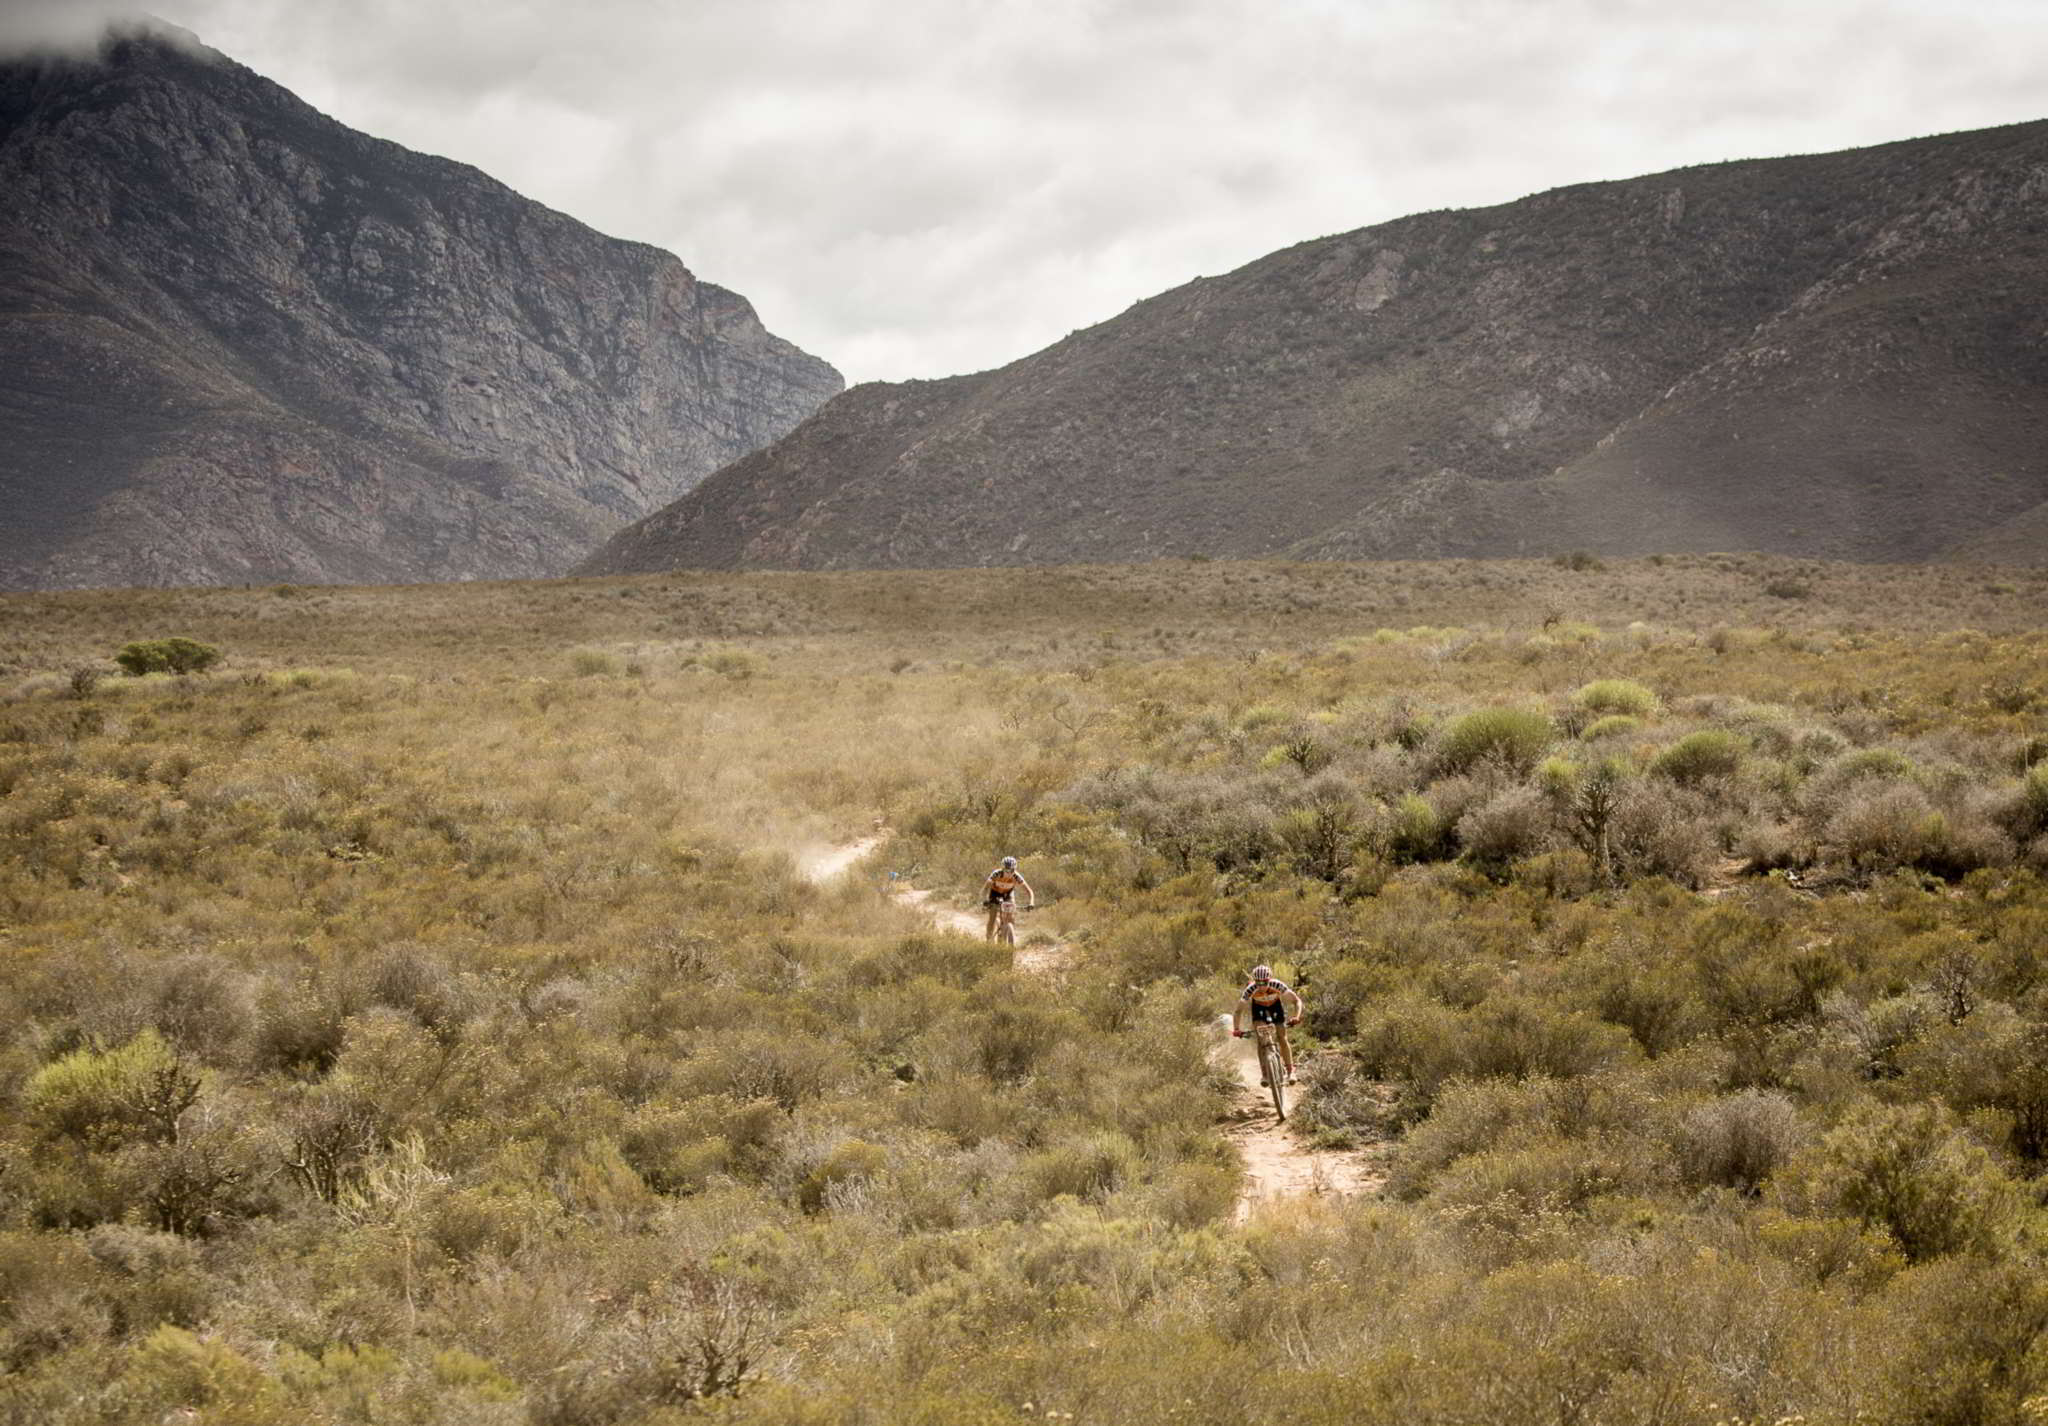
x: 1274, y: 1074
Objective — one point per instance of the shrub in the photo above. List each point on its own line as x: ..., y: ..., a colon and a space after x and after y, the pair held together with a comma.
x: 1656, y: 833
x: 1427, y: 1045
x: 1612, y: 726
x: 1513, y: 825
x: 1894, y: 826
x: 1912, y: 1172
x: 1994, y: 1060
x: 1711, y: 752
x: 1578, y: 562
x: 175, y: 655
x: 596, y: 663
x: 106, y: 1098
x: 1739, y: 1141
x: 1786, y: 587
x: 735, y: 664
x: 1616, y: 695
x: 2025, y: 814
x: 1869, y: 763
x: 1510, y: 737
x: 1412, y: 830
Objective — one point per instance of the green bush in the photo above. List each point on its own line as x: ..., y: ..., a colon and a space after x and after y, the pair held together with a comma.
x: 1612, y: 726
x: 1412, y: 830
x: 105, y: 1098
x: 1913, y: 1172
x: 1509, y: 737
x: 1616, y: 695
x: 175, y: 655
x: 1694, y: 758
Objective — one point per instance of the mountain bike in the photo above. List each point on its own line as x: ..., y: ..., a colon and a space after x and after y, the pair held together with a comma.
x: 1006, y: 921
x: 1272, y: 1069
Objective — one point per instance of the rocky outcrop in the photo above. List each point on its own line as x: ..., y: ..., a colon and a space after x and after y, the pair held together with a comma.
x: 1834, y: 356
x: 241, y: 342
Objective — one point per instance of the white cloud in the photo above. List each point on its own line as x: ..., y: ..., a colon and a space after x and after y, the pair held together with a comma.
x: 918, y: 187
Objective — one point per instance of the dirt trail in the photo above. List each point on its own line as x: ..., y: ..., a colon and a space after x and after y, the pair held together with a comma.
x: 824, y: 864
x: 1277, y: 1165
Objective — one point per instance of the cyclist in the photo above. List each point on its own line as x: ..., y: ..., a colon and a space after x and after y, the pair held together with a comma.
x: 1268, y: 1000
x: 999, y: 895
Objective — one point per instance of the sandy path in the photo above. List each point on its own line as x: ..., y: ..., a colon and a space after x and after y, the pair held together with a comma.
x: 822, y: 864
x: 1277, y: 1165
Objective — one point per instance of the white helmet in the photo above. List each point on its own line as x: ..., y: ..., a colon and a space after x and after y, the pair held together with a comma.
x: 1009, y: 861
x: 1262, y: 972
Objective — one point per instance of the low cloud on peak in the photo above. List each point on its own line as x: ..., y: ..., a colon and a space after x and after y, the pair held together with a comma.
x: 920, y: 187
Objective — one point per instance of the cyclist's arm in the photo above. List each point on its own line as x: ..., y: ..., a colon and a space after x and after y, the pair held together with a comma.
x: 1030, y: 896
x: 1295, y: 996
x: 1237, y: 1014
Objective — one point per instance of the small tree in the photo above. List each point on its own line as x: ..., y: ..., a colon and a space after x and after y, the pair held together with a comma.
x: 174, y: 655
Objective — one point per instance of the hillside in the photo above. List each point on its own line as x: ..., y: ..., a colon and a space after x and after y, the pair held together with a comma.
x: 1826, y: 356
x: 241, y: 342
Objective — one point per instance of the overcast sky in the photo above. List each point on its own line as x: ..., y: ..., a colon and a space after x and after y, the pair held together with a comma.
x: 924, y: 187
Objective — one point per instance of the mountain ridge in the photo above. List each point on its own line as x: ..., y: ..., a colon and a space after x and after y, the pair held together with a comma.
x: 1575, y: 369
x: 242, y: 342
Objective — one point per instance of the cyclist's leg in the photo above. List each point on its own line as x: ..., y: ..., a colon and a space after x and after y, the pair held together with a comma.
x: 1286, y: 1049
x: 1008, y: 918
x: 995, y: 912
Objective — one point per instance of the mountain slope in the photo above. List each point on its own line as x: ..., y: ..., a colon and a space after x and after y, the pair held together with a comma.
x: 239, y: 341
x: 1828, y: 355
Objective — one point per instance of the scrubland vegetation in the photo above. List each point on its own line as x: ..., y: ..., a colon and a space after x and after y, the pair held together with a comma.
x: 421, y: 1017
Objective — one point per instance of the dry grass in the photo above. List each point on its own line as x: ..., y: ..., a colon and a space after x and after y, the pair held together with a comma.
x: 424, y: 1016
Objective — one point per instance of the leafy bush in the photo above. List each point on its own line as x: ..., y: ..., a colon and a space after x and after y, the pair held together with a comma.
x: 1412, y: 830
x: 1512, y: 738
x: 174, y: 655
x: 1613, y: 726
x: 1711, y: 752
x: 2025, y: 814
x: 1616, y: 696
x: 105, y: 1098
x: 1913, y: 1172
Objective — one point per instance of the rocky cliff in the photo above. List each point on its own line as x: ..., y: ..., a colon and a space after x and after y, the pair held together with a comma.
x: 241, y: 342
x: 1841, y: 355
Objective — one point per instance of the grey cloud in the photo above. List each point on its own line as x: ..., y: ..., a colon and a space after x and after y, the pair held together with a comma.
x: 915, y: 187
